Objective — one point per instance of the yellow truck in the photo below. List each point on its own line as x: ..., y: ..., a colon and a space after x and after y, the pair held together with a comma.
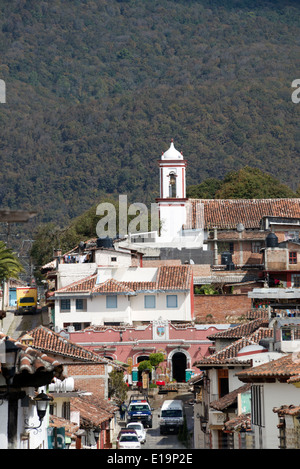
x: 26, y: 300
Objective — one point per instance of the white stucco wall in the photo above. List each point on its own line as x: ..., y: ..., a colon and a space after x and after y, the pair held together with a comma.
x: 3, y: 425
x: 172, y: 219
x: 275, y: 395
x: 69, y: 273
x: 27, y: 416
x: 181, y: 313
x: 96, y: 312
x: 129, y: 309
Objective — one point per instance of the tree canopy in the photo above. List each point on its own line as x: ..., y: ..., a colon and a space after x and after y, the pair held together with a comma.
x: 10, y: 266
x: 246, y: 183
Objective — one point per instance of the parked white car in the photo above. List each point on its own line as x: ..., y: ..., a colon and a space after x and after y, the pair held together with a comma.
x: 140, y: 430
x: 128, y: 439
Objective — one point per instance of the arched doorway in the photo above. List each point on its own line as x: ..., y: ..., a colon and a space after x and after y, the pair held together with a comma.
x: 179, y: 365
x: 140, y: 359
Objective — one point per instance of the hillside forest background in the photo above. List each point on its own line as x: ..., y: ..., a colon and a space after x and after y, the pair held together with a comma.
x: 96, y: 90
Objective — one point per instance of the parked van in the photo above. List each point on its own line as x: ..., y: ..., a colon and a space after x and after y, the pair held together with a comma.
x: 171, y: 416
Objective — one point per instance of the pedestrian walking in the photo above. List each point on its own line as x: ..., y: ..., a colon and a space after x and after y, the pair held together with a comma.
x: 123, y: 409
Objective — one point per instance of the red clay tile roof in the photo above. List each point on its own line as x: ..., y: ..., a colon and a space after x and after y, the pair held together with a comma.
x: 34, y: 361
x: 230, y: 398
x: 227, y: 213
x: 70, y: 427
x: 241, y: 330
x: 93, y: 410
x: 282, y: 369
x: 174, y: 277
x: 82, y: 286
x: 169, y: 278
x: 49, y: 341
x: 287, y: 410
x: 241, y: 422
x: 228, y: 354
x: 112, y: 286
x: 257, y: 313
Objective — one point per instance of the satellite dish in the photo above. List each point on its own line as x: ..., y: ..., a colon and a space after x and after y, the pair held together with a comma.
x: 240, y: 227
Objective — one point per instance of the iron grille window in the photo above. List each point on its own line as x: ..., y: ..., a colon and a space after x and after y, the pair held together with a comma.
x: 257, y: 406
x: 66, y: 410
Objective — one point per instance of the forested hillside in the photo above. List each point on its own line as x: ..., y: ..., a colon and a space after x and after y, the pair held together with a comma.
x: 97, y: 89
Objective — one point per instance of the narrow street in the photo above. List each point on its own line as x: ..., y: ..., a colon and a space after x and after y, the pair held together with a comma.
x: 15, y: 326
x: 156, y: 441
x: 170, y: 441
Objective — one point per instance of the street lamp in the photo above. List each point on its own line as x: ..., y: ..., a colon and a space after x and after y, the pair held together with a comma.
x: 42, y: 402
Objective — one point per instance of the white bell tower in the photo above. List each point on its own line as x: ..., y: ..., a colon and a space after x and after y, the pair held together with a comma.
x: 172, y: 200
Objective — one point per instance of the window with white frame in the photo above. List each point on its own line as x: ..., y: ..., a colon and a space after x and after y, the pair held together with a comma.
x: 149, y: 301
x: 111, y: 301
x: 172, y: 301
x: 65, y: 305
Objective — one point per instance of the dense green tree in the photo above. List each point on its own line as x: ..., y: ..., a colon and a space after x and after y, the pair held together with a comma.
x: 246, y: 183
x: 252, y: 183
x: 10, y: 265
x: 205, y: 190
x: 117, y: 387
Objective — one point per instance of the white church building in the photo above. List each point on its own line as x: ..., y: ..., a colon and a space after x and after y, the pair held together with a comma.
x: 181, y: 222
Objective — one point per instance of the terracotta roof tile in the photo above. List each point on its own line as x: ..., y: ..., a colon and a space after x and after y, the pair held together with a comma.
x: 227, y: 213
x: 287, y: 410
x: 93, y: 410
x: 83, y: 286
x: 168, y: 278
x: 112, y: 286
x: 241, y: 422
x: 174, y: 277
x: 230, y: 398
x: 34, y: 361
x: 241, y: 330
x: 49, y: 341
x: 70, y: 427
x: 258, y: 313
x: 228, y: 354
x: 282, y: 368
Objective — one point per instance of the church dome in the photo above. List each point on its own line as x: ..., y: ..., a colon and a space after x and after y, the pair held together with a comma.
x: 172, y: 153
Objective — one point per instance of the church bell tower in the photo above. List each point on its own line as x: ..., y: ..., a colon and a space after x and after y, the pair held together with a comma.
x: 172, y: 200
